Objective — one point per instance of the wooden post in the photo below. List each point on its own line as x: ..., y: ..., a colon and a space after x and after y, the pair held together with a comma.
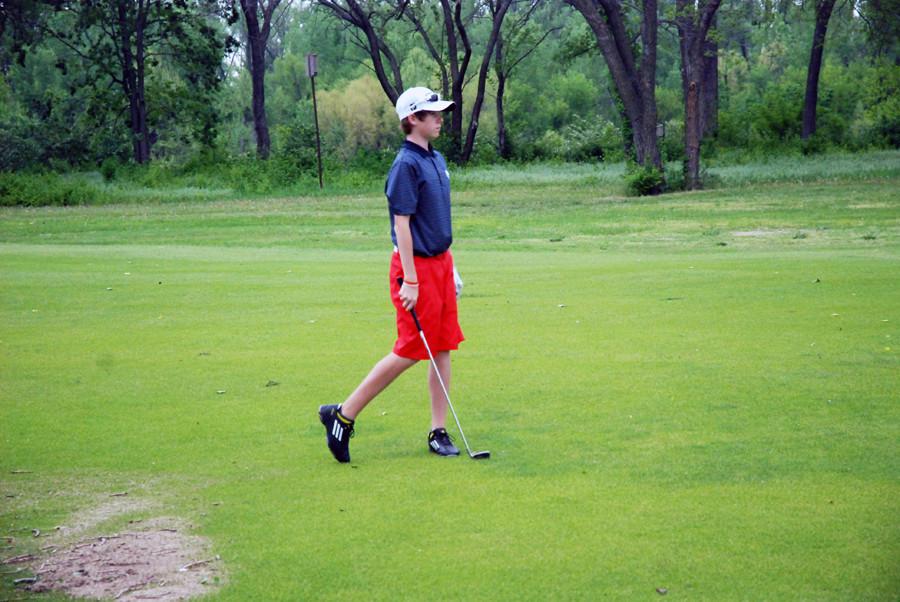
x: 312, y: 71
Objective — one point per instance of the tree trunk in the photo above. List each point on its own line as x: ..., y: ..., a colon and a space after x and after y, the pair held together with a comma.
x: 636, y: 86
x: 453, y: 26
x: 482, y: 80
x: 691, y: 86
x: 823, y: 14
x: 648, y: 145
x: 256, y: 39
x: 133, y: 78
x: 692, y: 132
x: 693, y: 24
x: 260, y: 122
x: 502, y: 142
x: 503, y: 147
x: 709, y: 103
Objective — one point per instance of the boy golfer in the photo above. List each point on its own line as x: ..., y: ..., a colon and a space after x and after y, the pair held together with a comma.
x: 418, y: 195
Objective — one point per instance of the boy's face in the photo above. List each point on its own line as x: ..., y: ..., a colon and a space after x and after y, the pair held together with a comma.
x: 429, y: 126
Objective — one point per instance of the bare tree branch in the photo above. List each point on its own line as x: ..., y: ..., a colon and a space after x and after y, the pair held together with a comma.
x: 533, y: 48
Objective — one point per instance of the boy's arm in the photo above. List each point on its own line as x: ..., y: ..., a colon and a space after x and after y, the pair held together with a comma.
x: 409, y: 293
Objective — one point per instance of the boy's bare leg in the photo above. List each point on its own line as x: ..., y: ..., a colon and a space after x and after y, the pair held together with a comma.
x: 385, y: 371
x: 438, y: 400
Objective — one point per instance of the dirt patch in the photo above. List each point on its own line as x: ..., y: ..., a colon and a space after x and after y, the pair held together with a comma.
x: 156, y: 564
x: 148, y: 559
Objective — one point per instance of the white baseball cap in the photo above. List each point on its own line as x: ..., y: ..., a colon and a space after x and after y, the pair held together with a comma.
x: 420, y: 99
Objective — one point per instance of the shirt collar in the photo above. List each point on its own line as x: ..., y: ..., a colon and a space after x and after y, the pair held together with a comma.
x: 418, y: 149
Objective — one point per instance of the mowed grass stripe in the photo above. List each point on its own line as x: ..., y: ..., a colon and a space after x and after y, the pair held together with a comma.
x: 786, y: 216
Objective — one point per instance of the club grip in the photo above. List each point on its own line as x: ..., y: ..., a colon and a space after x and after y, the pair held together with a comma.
x: 413, y: 310
x: 416, y: 319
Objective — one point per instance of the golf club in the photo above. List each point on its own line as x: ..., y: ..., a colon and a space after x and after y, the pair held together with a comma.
x: 480, y: 455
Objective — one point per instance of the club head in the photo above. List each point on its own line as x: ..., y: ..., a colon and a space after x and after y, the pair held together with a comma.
x: 481, y: 455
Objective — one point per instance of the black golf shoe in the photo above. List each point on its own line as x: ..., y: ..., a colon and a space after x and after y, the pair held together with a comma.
x: 338, y: 430
x: 439, y: 443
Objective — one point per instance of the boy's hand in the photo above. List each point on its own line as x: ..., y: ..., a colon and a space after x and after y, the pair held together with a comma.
x: 408, y: 296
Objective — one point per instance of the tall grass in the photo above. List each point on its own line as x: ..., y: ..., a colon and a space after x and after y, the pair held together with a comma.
x: 227, y: 179
x: 835, y: 167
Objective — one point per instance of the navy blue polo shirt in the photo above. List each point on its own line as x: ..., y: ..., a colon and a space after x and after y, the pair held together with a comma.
x: 418, y: 185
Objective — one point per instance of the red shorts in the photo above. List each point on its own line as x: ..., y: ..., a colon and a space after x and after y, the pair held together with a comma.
x: 436, y: 308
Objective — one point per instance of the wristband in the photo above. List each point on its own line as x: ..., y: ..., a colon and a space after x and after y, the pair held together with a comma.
x: 411, y: 282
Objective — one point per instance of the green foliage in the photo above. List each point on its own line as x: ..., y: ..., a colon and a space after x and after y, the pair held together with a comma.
x: 643, y: 180
x: 776, y: 117
x: 587, y: 139
x: 44, y: 189
x: 297, y: 145
x: 537, y: 116
x: 287, y: 89
x: 676, y: 175
x: 882, y: 105
x: 376, y: 162
x: 56, y: 106
x: 671, y: 146
x: 579, y: 141
x: 108, y: 168
x: 72, y: 90
x: 18, y: 147
x: 358, y: 116
x: 550, y: 146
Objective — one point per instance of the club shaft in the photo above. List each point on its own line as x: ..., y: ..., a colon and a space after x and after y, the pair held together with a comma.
x: 443, y: 386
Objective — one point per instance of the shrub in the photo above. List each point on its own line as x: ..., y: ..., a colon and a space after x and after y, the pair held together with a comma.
x: 550, y: 146
x: 298, y: 145
x: 32, y: 189
x: 814, y: 145
x: 18, y: 147
x: 882, y: 112
x: 108, y: 168
x: 675, y: 177
x: 376, y: 161
x: 643, y: 180
x: 584, y: 140
x: 671, y: 146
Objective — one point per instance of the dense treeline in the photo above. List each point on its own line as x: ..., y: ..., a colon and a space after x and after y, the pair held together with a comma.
x: 192, y: 83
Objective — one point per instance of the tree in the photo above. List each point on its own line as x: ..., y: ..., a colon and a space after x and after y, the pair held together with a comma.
x: 883, y: 26
x: 371, y: 23
x: 694, y: 21
x: 498, y: 11
x: 258, y: 16
x: 119, y: 39
x: 455, y: 32
x: 634, y: 77
x: 452, y: 54
x: 811, y: 99
x: 512, y: 48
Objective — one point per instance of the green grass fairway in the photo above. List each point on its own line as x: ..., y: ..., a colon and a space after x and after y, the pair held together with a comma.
x: 696, y: 392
